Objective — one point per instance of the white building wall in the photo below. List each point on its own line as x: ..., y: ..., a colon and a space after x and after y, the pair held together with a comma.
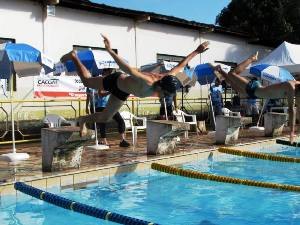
x: 138, y: 43
x: 22, y: 21
x: 153, y: 39
x: 75, y: 27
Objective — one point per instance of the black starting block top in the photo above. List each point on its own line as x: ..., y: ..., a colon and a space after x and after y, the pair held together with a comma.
x: 285, y: 142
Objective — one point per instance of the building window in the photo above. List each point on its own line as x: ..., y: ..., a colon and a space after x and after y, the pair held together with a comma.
x: 14, y: 78
x: 82, y: 47
x: 169, y: 58
x: 4, y: 40
x: 233, y: 65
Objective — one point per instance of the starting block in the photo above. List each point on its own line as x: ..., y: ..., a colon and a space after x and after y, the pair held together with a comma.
x: 62, y: 147
x: 285, y: 142
x: 227, y: 129
x: 162, y: 135
x: 274, y: 123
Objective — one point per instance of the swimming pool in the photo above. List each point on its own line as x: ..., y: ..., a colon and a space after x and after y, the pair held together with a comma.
x: 168, y: 199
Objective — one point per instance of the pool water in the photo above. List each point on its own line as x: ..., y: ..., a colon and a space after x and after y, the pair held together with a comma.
x: 279, y: 150
x: 168, y: 199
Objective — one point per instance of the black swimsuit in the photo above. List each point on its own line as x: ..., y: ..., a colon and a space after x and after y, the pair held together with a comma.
x: 110, y: 84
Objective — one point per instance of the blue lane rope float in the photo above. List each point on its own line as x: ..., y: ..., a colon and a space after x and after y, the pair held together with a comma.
x: 259, y: 155
x: 285, y: 142
x: 224, y: 179
x: 78, y: 207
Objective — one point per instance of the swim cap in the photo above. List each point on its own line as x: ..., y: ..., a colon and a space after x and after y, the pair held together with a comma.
x: 169, y: 84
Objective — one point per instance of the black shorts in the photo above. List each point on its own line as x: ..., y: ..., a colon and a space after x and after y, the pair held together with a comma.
x: 110, y: 84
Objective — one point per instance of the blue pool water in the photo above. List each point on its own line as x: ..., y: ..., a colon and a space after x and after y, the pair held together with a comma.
x: 168, y: 199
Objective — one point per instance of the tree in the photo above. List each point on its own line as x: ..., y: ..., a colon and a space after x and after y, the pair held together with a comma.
x: 271, y: 21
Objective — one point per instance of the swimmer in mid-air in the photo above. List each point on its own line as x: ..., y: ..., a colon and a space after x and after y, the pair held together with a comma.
x: 252, y: 88
x: 129, y: 81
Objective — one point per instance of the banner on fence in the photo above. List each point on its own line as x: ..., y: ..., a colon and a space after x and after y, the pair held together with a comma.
x: 59, y: 86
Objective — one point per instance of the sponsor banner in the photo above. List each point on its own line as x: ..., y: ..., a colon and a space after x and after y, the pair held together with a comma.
x: 170, y: 65
x: 59, y: 87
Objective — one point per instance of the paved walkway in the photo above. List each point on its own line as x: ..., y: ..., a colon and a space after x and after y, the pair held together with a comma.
x: 32, y: 168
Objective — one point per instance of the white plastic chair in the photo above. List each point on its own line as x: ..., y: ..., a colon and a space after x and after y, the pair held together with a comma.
x: 228, y: 112
x: 129, y: 119
x: 283, y: 110
x: 53, y: 120
x: 181, y: 116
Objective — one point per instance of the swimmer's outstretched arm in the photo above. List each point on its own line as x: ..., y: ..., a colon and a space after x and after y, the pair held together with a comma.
x: 122, y: 64
x: 201, y: 48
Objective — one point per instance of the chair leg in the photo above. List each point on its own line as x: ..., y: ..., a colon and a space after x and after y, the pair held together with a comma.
x: 198, y: 131
x: 186, y: 134
x: 134, y: 136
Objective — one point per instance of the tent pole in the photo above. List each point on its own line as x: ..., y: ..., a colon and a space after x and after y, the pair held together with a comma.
x: 165, y: 105
x: 12, y: 116
x: 262, y: 111
x: 96, y: 146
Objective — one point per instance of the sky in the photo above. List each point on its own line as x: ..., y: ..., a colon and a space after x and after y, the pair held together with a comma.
x: 202, y: 11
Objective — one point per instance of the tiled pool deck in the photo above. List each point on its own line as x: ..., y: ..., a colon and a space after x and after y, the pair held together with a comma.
x: 96, y: 164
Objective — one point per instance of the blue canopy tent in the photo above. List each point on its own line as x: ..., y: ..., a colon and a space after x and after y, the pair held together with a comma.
x: 270, y: 73
x: 93, y: 60
x: 205, y: 73
x: 24, y: 60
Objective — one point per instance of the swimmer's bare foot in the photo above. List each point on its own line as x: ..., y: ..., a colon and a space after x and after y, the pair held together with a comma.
x: 69, y: 56
x: 254, y: 57
x: 219, y: 72
x: 83, y: 129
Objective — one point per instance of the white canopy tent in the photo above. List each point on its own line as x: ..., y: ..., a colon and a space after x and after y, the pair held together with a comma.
x: 286, y: 55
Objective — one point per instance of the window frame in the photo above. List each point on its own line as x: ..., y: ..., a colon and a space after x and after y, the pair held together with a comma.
x: 169, y: 58
x: 86, y: 47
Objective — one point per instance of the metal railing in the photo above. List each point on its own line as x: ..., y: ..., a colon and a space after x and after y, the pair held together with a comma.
x: 36, y: 109
x: 27, y: 110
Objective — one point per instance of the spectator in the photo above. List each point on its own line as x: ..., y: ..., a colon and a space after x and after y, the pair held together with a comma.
x: 101, y: 99
x: 251, y: 107
x: 216, y: 91
x: 169, y: 99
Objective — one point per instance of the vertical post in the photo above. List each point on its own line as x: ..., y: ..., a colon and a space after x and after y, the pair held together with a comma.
x: 262, y: 111
x: 165, y: 105
x: 79, y: 106
x: 12, y: 115
x: 95, y: 124
x: 132, y: 106
x: 135, y: 43
x: 182, y: 107
x: 212, y: 110
x: 45, y: 108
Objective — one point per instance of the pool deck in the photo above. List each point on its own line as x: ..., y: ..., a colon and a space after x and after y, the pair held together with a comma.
x: 115, y: 156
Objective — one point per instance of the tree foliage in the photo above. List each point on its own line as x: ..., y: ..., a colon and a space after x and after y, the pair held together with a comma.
x: 272, y: 21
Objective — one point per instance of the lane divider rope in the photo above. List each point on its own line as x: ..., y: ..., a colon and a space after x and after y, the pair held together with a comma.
x: 224, y: 179
x: 259, y: 155
x: 78, y: 207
